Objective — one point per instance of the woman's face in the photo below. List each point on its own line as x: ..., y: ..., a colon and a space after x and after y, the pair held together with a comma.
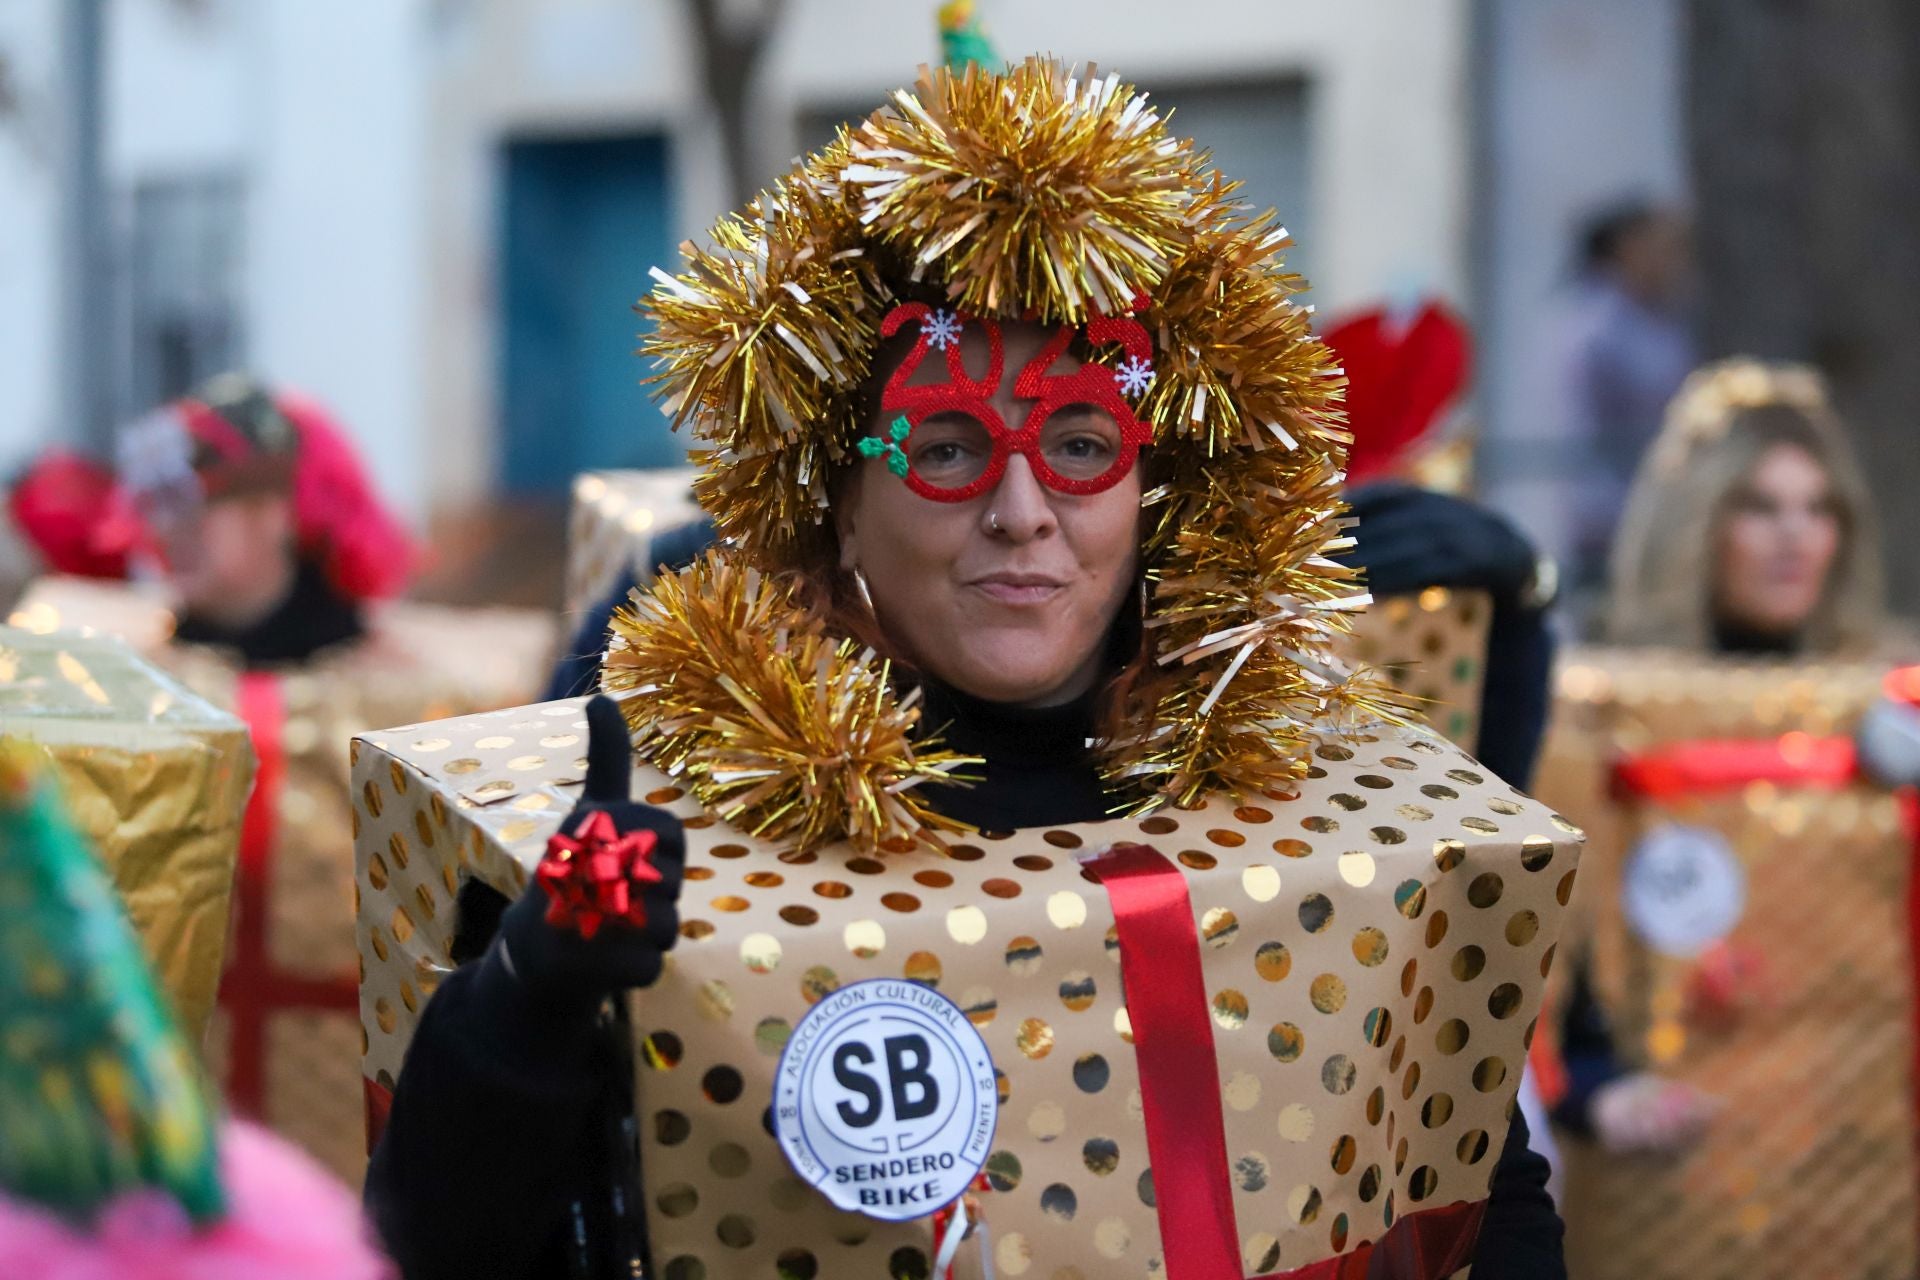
x: 1777, y: 540
x: 1009, y: 594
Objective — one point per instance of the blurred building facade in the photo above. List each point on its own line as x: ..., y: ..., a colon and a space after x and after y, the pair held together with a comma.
x: 435, y: 214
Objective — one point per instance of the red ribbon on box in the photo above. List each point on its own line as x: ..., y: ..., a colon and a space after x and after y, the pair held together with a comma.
x: 1186, y: 1130
x: 251, y: 988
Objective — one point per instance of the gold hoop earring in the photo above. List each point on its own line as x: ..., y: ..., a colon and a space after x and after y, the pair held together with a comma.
x: 860, y: 585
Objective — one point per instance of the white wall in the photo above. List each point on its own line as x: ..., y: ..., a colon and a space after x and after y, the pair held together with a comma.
x: 29, y: 209
x: 336, y: 224
x: 367, y: 132
x: 1584, y: 107
x: 318, y: 107
x: 1388, y: 144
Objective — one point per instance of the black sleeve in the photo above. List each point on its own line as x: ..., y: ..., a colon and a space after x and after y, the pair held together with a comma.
x: 1409, y: 539
x: 1516, y: 691
x: 1587, y: 1051
x: 578, y: 669
x: 1521, y: 1236
x: 493, y: 1118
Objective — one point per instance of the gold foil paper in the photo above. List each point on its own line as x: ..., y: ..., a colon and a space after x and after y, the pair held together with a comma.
x: 417, y: 661
x: 1433, y: 646
x: 1808, y: 1169
x: 156, y: 777
x: 616, y: 516
x: 1373, y: 950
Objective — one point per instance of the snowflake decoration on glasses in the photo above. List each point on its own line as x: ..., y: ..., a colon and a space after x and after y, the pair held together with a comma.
x: 943, y: 330
x: 1134, y: 375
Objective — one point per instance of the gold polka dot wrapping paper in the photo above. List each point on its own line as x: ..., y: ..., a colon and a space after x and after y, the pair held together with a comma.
x: 1432, y: 645
x: 288, y: 1050
x: 156, y: 777
x: 1372, y: 950
x: 1808, y: 1167
x: 610, y: 531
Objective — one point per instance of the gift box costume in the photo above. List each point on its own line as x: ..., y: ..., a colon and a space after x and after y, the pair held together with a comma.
x: 777, y: 743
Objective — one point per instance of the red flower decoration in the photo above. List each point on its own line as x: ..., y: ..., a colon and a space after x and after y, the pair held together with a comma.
x: 595, y: 875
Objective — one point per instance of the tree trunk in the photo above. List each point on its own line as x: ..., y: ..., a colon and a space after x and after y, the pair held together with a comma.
x: 1804, y: 123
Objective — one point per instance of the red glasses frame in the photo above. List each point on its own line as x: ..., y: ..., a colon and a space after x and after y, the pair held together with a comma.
x: 1091, y: 384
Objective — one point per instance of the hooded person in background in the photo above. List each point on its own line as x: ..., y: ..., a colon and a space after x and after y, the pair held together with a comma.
x: 1629, y: 346
x: 254, y: 509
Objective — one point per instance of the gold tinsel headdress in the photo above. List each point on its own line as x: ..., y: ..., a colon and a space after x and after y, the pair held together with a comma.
x: 1043, y: 193
x: 1705, y: 406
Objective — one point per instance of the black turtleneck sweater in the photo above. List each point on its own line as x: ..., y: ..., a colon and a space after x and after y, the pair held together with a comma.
x: 312, y: 617
x: 496, y: 1150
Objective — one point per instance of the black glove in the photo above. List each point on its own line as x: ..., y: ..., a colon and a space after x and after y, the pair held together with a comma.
x: 1409, y: 539
x: 553, y: 964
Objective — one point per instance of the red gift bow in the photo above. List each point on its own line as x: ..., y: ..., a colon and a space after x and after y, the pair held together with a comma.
x: 591, y: 875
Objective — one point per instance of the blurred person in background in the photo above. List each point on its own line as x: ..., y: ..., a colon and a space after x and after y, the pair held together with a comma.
x: 1750, y: 529
x: 253, y: 508
x: 1748, y: 533
x: 1628, y: 348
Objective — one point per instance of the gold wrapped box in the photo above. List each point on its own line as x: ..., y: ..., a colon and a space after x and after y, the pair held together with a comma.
x: 156, y: 777
x: 611, y: 529
x: 1794, y: 1002
x: 1367, y: 958
x: 285, y: 1044
x: 1432, y: 645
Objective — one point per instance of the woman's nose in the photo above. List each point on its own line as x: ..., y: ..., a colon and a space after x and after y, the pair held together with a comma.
x: 1017, y: 508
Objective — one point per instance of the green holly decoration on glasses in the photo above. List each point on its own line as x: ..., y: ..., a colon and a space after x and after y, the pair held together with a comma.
x: 889, y: 448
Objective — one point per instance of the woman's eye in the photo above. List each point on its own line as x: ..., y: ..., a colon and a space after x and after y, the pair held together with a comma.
x: 939, y: 453
x: 1086, y: 447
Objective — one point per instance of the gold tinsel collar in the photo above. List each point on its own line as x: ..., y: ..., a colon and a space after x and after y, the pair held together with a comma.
x: 1039, y: 192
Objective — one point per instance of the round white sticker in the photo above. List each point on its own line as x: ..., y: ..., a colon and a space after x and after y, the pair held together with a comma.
x: 886, y: 1099
x: 1684, y: 889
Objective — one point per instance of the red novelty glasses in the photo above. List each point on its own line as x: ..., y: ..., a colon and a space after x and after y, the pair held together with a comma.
x: 949, y: 443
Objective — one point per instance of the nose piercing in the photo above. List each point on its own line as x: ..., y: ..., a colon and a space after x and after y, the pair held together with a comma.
x: 993, y: 521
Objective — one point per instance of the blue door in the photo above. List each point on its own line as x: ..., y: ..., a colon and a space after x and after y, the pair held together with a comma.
x: 583, y: 220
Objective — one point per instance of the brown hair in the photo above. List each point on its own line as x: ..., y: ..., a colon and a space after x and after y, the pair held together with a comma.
x: 1720, y: 425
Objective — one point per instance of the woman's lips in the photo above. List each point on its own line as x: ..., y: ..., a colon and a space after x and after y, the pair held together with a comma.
x: 1018, y: 588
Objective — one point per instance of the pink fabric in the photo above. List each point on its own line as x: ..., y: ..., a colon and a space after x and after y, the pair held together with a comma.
x: 287, y: 1220
x: 58, y: 503
x: 341, y: 520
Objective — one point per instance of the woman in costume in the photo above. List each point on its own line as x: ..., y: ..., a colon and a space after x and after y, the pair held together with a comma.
x: 1013, y: 434
x: 264, y: 524
x: 1749, y: 533
x: 1750, y: 529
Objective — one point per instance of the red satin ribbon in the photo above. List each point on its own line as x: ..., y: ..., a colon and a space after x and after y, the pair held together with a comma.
x: 378, y: 1100
x: 1705, y: 767
x: 1179, y: 1075
x: 251, y: 988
